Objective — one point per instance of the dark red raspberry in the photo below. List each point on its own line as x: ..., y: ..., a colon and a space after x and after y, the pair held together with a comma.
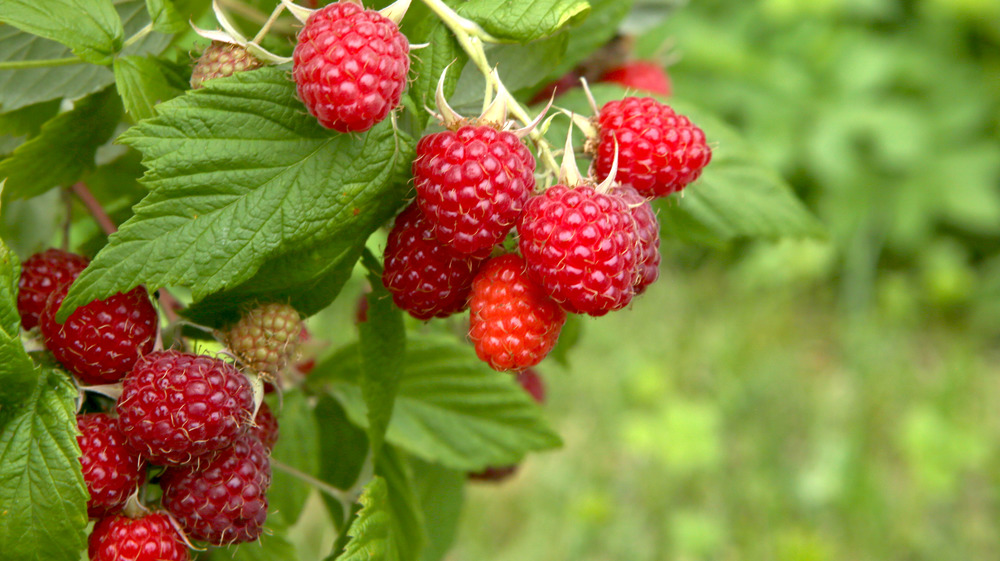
x: 350, y: 66
x: 641, y: 75
x: 513, y: 322
x: 582, y: 247
x: 150, y: 538
x: 494, y: 474
x: 176, y: 407
x: 659, y: 151
x: 471, y: 185
x: 220, y: 60
x: 265, y: 426
x: 425, y: 278
x: 648, y: 228
x: 100, y: 342
x: 223, y: 501
x: 111, y: 469
x: 532, y: 383
x: 41, y: 274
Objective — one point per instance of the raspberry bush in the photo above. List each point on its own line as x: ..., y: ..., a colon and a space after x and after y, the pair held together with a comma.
x: 229, y: 173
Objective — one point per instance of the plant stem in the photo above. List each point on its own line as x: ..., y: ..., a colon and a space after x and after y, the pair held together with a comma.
x: 267, y: 25
x: 339, y: 494
x: 470, y: 37
x: 39, y: 63
x: 138, y: 36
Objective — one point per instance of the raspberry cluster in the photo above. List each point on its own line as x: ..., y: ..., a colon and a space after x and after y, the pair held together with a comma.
x: 191, y: 418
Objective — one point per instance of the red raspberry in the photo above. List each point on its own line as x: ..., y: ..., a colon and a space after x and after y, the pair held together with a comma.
x: 266, y: 337
x: 554, y: 89
x: 41, y: 274
x: 532, y: 383
x: 176, y: 407
x: 648, y: 228
x: 425, y: 278
x: 219, y: 60
x: 150, y: 538
x: 265, y: 426
x: 494, y: 474
x: 308, y: 362
x: 350, y: 66
x: 659, y: 151
x: 513, y: 322
x: 100, y: 342
x: 223, y: 501
x: 582, y: 247
x: 471, y: 185
x: 111, y: 469
x: 642, y: 75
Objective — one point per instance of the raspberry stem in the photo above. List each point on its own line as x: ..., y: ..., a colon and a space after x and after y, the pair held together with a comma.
x: 39, y: 63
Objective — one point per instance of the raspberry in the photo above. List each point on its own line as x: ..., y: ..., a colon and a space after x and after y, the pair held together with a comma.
x: 220, y: 60
x: 532, y: 383
x: 582, y: 247
x: 471, y: 185
x: 41, y: 274
x: 556, y: 88
x: 266, y: 337
x: 111, y: 470
x: 659, y: 151
x: 648, y: 228
x: 425, y: 278
x: 223, y: 501
x: 100, y: 342
x: 641, y: 75
x: 513, y: 323
x: 350, y: 66
x: 176, y: 407
x: 494, y: 474
x: 150, y: 538
x: 265, y: 426
x: 307, y: 364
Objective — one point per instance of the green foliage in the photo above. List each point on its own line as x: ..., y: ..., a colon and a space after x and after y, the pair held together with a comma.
x: 524, y: 20
x: 144, y: 82
x: 92, y: 29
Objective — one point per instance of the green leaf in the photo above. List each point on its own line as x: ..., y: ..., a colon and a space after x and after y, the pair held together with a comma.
x: 343, y: 448
x: 144, y: 82
x: 442, y: 52
x: 371, y: 530
x: 407, y: 518
x: 165, y: 16
x: 270, y: 547
x: 439, y: 493
x: 10, y: 274
x: 596, y: 30
x: 44, y: 498
x: 570, y: 335
x: 28, y: 120
x: 240, y: 175
x: 382, y: 348
x: 451, y: 407
x: 17, y: 372
x: 91, y: 28
x: 524, y: 20
x: 298, y: 447
x: 63, y: 149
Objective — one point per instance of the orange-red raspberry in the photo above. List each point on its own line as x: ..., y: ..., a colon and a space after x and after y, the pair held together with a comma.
x: 641, y: 75
x: 350, y: 66
x: 582, y: 247
x: 472, y: 184
x: 513, y: 322
x: 150, y: 538
x: 659, y: 151
x: 177, y: 407
x: 100, y: 342
x: 41, y: 274
x: 425, y: 278
x: 111, y: 469
x: 223, y: 501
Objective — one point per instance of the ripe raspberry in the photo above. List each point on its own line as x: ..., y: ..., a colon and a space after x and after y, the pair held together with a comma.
x: 220, y: 60
x: 648, y: 229
x: 532, y: 383
x: 471, y: 185
x: 266, y: 337
x: 223, y: 501
x: 425, y: 278
x: 513, y: 322
x: 494, y: 474
x: 659, y: 151
x: 150, y: 538
x: 41, y: 274
x: 582, y: 247
x: 641, y: 75
x: 350, y: 66
x: 100, y: 342
x: 556, y: 88
x: 265, y: 427
x: 176, y: 407
x: 111, y: 469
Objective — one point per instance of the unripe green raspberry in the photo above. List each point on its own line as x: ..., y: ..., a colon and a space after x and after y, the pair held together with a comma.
x: 266, y: 337
x: 220, y: 60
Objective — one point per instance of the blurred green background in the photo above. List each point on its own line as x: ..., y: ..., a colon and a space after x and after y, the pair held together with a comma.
x: 798, y: 399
